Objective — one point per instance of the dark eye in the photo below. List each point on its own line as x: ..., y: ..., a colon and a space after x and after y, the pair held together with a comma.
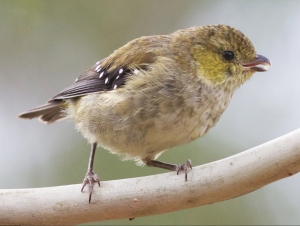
x: 228, y: 55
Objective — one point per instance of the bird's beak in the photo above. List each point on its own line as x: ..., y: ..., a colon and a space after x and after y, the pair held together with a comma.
x: 261, y: 63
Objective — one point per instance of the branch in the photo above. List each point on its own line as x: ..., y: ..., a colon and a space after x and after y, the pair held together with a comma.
x: 136, y: 197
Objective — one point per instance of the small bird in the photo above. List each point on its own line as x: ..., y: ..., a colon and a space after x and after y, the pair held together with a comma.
x: 155, y: 93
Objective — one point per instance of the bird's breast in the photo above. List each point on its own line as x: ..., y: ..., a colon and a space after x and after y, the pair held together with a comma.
x: 141, y: 123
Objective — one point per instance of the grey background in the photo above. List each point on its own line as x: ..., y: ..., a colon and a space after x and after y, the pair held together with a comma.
x: 45, y: 45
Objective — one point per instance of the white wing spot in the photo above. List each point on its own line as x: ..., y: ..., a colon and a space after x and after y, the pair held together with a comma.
x: 115, y: 86
x: 98, y: 62
x: 121, y: 71
x: 76, y: 79
x: 106, y: 80
x: 136, y: 71
x: 98, y: 68
x: 101, y: 74
x: 117, y: 77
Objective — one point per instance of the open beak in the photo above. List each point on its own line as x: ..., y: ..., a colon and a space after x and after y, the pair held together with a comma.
x: 261, y: 63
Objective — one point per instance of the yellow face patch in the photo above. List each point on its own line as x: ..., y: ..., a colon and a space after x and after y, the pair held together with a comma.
x: 212, y: 66
x: 219, y: 52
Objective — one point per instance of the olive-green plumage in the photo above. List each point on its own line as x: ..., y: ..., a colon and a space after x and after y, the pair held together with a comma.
x: 183, y: 92
x: 158, y: 92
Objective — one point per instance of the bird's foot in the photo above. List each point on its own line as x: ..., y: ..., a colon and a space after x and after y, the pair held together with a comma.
x: 184, y: 167
x: 90, y: 178
x: 173, y: 167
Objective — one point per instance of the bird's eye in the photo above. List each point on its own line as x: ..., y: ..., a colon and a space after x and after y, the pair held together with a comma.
x: 228, y: 55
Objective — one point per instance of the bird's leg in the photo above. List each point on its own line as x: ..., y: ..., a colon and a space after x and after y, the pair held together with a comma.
x: 173, y: 167
x: 90, y: 176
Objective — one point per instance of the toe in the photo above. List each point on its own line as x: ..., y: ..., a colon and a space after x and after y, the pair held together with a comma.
x: 96, y: 179
x: 184, y: 167
x: 90, y: 197
x: 84, y: 183
x: 189, y: 163
x: 178, y: 168
x: 185, y: 172
x: 90, y: 179
x: 90, y: 188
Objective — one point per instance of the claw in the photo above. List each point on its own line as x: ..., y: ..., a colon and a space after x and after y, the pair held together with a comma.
x: 178, y: 168
x: 90, y: 178
x: 96, y: 179
x: 184, y: 167
x: 90, y: 195
x: 84, y: 183
x: 90, y: 188
x: 185, y: 171
x: 189, y: 163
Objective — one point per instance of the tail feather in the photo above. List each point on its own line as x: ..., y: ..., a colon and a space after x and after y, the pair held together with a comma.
x: 48, y: 113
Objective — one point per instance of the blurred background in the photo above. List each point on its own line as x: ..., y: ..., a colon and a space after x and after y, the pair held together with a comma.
x: 46, y: 45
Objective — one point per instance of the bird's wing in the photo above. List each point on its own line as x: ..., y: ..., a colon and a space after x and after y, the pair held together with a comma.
x: 96, y: 79
x: 99, y: 78
x: 111, y: 72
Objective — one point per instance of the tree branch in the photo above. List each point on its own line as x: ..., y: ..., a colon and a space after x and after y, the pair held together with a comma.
x: 136, y: 197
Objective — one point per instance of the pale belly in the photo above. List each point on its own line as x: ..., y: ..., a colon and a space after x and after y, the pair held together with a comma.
x: 118, y: 124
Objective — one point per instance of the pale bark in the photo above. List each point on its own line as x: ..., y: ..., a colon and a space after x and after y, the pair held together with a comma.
x: 157, y: 194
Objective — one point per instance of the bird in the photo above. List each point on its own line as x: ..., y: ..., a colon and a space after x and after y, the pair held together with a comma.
x: 155, y: 93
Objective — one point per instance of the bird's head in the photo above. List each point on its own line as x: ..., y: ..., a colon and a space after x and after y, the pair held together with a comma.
x: 223, y: 53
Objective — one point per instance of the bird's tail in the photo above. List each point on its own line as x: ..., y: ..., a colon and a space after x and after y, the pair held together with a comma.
x: 47, y: 113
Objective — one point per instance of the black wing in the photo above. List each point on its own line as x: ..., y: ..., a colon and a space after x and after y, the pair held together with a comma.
x: 96, y: 79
